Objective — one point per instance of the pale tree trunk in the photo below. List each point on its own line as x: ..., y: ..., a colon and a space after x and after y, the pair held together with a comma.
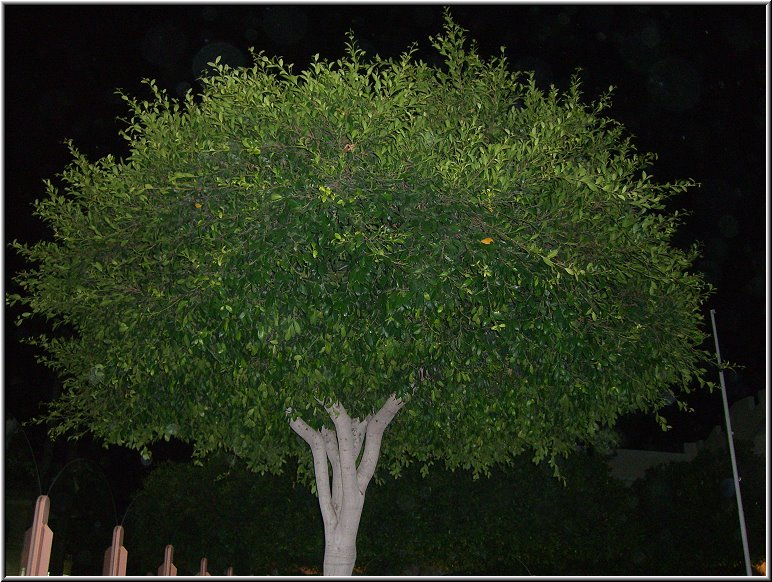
x: 341, y: 502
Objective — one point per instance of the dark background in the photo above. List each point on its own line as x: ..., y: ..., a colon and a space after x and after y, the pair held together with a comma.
x: 690, y: 85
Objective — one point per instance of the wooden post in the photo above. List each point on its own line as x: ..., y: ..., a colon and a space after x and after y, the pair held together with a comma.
x: 202, y: 570
x: 116, y: 555
x: 38, y: 539
x: 168, y: 568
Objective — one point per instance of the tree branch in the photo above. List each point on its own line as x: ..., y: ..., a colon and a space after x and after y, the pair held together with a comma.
x: 344, y: 431
x: 316, y: 442
x: 375, y: 428
x: 358, y: 430
x: 331, y: 446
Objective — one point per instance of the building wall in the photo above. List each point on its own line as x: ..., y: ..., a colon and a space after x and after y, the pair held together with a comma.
x: 749, y: 422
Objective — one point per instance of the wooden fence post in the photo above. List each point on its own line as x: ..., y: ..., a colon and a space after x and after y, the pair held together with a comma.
x: 168, y: 568
x: 116, y: 555
x: 38, y: 539
x: 202, y: 570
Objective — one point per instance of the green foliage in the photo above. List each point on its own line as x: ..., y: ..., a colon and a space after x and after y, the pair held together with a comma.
x: 678, y: 520
x: 495, y: 254
x: 224, y: 513
x: 518, y: 520
x: 688, y: 520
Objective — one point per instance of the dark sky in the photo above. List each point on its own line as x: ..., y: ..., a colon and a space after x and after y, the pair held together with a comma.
x: 690, y: 85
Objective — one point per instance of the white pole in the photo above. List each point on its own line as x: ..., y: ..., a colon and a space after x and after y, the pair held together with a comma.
x: 730, y: 439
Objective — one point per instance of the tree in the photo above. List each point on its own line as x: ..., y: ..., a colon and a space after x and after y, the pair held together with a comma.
x: 327, y: 248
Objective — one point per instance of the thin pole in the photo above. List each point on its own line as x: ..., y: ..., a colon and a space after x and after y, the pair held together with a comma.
x: 730, y: 439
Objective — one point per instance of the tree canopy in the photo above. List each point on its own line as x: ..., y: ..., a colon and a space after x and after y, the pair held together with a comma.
x: 495, y: 254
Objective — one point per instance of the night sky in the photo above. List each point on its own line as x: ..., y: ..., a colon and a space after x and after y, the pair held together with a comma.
x: 690, y: 85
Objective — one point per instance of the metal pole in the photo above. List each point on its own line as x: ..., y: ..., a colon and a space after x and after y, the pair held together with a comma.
x: 730, y: 439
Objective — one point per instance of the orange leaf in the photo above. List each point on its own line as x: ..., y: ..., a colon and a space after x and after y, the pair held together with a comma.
x: 198, y: 205
x: 487, y: 240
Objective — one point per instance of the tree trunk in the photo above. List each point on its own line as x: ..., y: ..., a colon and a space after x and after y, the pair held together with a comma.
x: 340, y: 550
x: 342, y: 500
